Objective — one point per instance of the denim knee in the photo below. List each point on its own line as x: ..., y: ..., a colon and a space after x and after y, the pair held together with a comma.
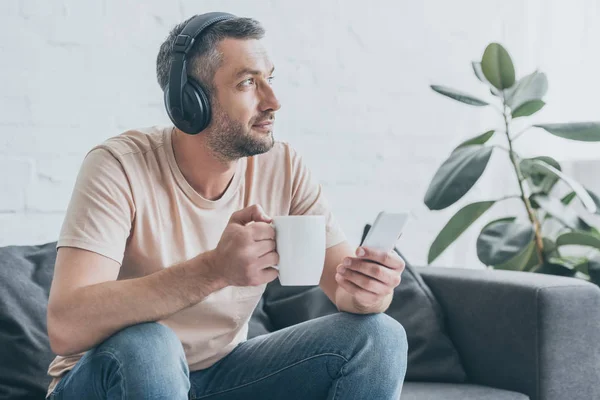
x: 381, y: 334
x: 147, y: 348
x: 387, y: 329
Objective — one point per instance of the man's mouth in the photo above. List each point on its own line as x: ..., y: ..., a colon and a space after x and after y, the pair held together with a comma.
x: 264, y: 126
x: 264, y: 123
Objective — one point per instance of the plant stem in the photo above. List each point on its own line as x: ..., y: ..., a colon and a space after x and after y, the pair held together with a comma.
x: 514, y: 196
x: 520, y: 133
x: 539, y: 244
x: 497, y: 109
x: 501, y: 148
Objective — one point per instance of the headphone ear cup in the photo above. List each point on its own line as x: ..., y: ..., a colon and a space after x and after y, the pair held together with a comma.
x: 197, y: 105
x: 196, y: 114
x: 181, y: 118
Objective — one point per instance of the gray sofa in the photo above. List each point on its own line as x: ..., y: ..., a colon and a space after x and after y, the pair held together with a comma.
x: 519, y: 335
x: 473, y: 334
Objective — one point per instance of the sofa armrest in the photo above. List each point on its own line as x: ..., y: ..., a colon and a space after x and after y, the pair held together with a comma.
x: 530, y: 333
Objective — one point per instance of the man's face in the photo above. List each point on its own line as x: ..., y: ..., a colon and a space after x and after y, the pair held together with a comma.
x: 243, y: 105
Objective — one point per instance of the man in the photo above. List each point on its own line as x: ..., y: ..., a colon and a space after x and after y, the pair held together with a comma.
x: 166, y: 249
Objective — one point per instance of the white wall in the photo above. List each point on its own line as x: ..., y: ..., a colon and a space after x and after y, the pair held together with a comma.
x: 352, y: 76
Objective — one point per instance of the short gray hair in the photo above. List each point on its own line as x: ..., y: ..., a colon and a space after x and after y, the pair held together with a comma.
x: 204, y: 59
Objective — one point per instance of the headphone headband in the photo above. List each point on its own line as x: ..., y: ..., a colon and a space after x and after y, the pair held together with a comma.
x: 185, y: 40
x: 178, y: 71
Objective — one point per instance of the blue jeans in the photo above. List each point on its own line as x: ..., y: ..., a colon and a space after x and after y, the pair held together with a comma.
x: 339, y: 356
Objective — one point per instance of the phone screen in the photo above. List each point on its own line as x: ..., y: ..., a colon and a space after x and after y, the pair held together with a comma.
x: 386, y: 231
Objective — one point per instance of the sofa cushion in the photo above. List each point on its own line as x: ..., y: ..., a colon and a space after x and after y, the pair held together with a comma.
x: 259, y: 323
x: 431, y: 354
x: 453, y: 391
x: 25, y: 276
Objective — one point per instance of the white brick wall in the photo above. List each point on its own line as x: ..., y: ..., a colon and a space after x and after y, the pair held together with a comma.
x: 352, y: 77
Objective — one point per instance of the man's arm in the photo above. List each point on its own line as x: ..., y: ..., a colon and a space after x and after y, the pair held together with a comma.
x: 87, y: 304
x: 344, y: 300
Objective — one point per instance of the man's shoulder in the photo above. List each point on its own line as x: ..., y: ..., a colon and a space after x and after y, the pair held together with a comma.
x: 134, y: 141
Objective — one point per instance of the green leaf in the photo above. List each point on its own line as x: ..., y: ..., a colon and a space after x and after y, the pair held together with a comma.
x: 578, y: 239
x: 499, y: 242
x: 505, y: 219
x: 572, y: 263
x: 497, y: 66
x: 529, y: 108
x: 459, y: 96
x: 586, y: 199
x: 456, y: 226
x: 534, y: 205
x: 541, y: 179
x: 577, y: 263
x: 520, y: 261
x: 480, y: 139
x: 548, y: 160
x: 556, y: 267
x: 560, y: 212
x: 594, y: 269
x: 568, y: 198
x: 596, y: 200
x: 550, y: 248
x: 594, y: 231
x: 583, y: 267
x: 456, y: 176
x: 534, y: 261
x: 582, y: 131
x: 531, y: 87
x: 479, y: 73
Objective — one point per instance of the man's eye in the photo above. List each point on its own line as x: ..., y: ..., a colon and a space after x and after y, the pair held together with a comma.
x: 271, y: 79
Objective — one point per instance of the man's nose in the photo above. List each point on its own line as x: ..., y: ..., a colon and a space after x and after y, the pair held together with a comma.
x: 269, y: 100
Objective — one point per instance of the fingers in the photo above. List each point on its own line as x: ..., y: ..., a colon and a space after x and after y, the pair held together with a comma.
x: 263, y: 247
x: 367, y: 283
x: 253, y: 213
x: 270, y: 274
x: 269, y: 260
x: 262, y: 231
x: 361, y: 295
x: 381, y: 275
x: 390, y: 260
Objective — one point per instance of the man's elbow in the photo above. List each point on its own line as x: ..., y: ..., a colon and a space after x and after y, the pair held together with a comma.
x: 57, y: 346
x: 57, y: 343
x: 57, y: 329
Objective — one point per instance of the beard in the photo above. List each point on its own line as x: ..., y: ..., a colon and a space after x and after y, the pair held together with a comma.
x: 231, y: 140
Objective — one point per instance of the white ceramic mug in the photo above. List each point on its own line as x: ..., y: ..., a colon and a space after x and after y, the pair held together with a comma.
x: 300, y: 241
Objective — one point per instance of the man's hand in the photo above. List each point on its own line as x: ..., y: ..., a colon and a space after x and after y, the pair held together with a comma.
x: 246, y: 252
x: 371, y: 277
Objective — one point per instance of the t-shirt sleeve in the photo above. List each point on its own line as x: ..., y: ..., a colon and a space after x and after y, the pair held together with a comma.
x: 308, y: 199
x: 101, y: 210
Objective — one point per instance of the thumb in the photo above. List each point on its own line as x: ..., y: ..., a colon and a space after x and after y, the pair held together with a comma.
x: 253, y: 213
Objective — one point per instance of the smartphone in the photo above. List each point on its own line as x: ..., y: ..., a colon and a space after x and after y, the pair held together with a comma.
x: 386, y: 231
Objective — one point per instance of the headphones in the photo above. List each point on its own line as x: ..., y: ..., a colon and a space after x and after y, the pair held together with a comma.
x: 187, y: 103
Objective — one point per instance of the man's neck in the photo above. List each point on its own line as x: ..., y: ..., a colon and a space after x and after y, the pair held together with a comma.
x: 206, y: 174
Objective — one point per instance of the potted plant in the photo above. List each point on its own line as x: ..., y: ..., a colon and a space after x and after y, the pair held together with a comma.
x: 537, y: 243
